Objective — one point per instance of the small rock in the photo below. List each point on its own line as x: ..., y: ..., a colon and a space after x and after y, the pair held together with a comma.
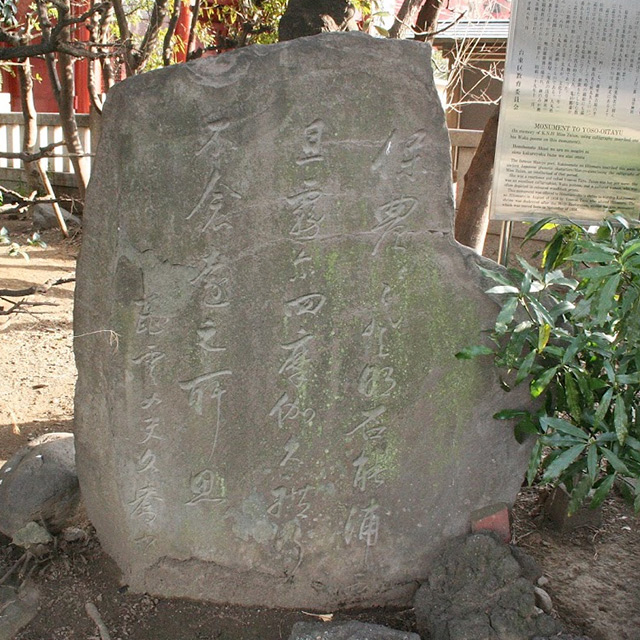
x: 543, y: 581
x: 543, y: 600
x: 530, y: 568
x: 74, y: 534
x: 347, y: 631
x: 556, y: 509
x: 479, y: 589
x: 43, y: 217
x: 535, y: 537
x: 39, y: 484
x: 31, y: 535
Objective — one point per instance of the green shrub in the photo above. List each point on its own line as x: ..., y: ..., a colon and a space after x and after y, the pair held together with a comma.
x: 571, y: 331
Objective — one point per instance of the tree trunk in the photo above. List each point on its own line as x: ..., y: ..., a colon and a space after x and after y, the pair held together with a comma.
x: 124, y: 36
x: 304, y: 17
x: 191, y: 41
x: 427, y: 21
x: 158, y: 15
x: 61, y: 76
x: 405, y: 19
x: 69, y: 123
x: 472, y: 218
x: 167, y: 50
x: 30, y: 117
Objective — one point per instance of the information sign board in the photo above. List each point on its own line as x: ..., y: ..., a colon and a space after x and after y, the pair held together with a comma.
x: 569, y: 133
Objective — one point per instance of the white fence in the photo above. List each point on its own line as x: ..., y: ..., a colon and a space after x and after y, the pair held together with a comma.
x: 49, y: 131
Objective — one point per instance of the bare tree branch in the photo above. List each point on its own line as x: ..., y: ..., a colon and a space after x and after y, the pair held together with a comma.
x: 171, y: 29
x: 158, y: 14
x: 38, y: 288
x: 125, y: 35
x: 45, y: 152
x: 405, y: 18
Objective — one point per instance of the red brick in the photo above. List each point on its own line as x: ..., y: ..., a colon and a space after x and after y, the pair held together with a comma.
x: 493, y: 518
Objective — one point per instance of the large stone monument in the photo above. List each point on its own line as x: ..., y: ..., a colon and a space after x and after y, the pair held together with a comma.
x: 269, y: 301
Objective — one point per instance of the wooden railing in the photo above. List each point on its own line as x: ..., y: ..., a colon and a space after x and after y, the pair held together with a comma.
x: 49, y: 130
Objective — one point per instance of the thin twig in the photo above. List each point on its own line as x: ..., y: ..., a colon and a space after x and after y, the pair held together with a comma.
x: 94, y: 614
x: 45, y: 152
x: 18, y: 307
x: 41, y: 288
x: 17, y: 563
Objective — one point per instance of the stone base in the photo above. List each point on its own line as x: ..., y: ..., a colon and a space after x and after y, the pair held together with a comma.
x: 556, y: 512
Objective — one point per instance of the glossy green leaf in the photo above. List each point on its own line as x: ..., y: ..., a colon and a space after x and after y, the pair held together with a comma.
x: 586, y: 390
x: 558, y: 278
x: 607, y: 299
x: 523, y: 326
x: 602, y: 491
x: 571, y: 351
x: 560, y: 441
x: 544, y: 332
x: 572, y: 395
x: 579, y: 494
x: 527, y: 268
x: 603, y: 407
x: 473, y: 352
x: 592, y: 461
x: 559, y: 424
x: 525, y: 367
x: 561, y: 308
x: 562, y: 462
x: 510, y: 414
x: 537, y: 226
x: 524, y: 429
x: 599, y: 272
x: 538, y: 385
x: 496, y: 276
x: 607, y: 436
x: 503, y: 288
x: 608, y: 369
x: 595, y: 255
x: 633, y: 248
x: 534, y: 462
x: 634, y: 444
x: 632, y: 378
x: 615, y: 462
x: 620, y: 419
x: 506, y: 314
x: 541, y: 314
x: 552, y: 252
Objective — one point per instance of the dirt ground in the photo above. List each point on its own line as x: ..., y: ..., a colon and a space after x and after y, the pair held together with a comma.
x: 593, y: 574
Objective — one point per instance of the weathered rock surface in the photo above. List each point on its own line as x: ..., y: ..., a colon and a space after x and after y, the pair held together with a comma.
x: 477, y: 590
x: 44, y: 217
x: 543, y: 599
x: 18, y: 607
x: 347, y: 631
x: 282, y: 420
x: 39, y: 484
x: 31, y: 535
